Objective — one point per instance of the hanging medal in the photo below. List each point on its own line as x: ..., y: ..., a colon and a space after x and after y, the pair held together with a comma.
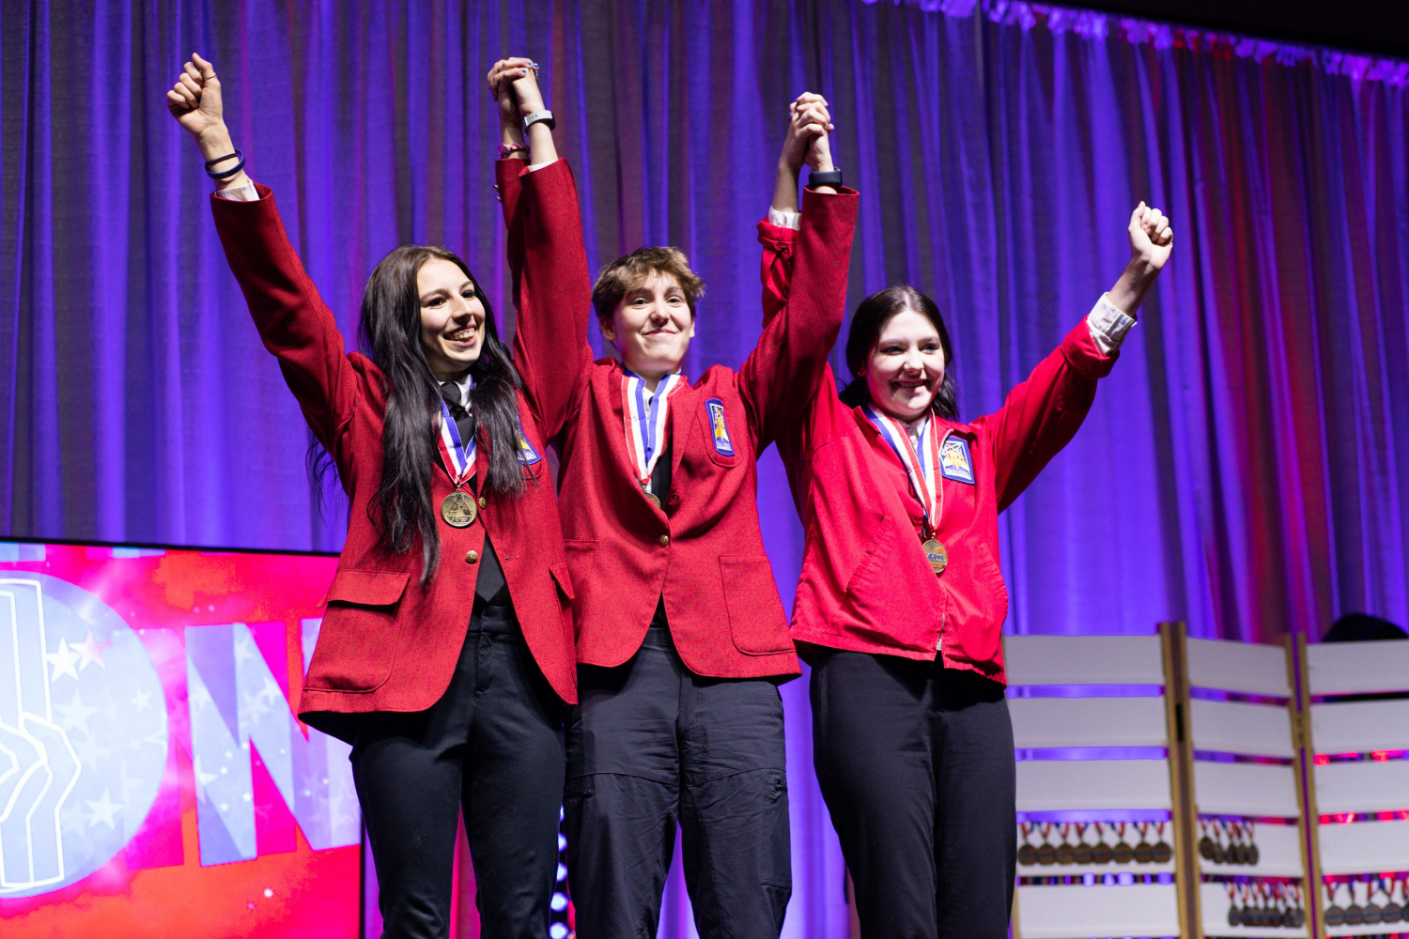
x: 459, y: 508
x: 646, y: 424
x: 1047, y: 852
x: 1066, y: 852
x: 1394, y: 909
x: 1123, y: 852
x: 1083, y: 849
x: 1164, y: 852
x: 1101, y: 852
x: 922, y: 467
x: 1027, y: 854
x: 1235, y: 911
x: 1144, y: 851
x: 1355, y: 913
x: 1334, y: 915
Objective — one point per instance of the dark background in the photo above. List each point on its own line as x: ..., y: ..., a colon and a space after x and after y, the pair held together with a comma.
x: 1378, y: 26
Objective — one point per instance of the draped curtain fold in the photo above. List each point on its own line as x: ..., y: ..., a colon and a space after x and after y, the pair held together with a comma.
x: 1245, y: 468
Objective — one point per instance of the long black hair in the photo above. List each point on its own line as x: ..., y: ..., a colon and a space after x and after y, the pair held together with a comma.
x: 390, y: 334
x: 870, y: 318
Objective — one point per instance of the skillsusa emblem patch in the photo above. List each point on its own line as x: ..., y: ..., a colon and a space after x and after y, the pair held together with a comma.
x: 718, y: 430
x: 527, y: 455
x: 954, y: 461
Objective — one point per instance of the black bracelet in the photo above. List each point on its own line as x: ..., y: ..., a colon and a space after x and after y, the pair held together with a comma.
x: 227, y: 173
x: 228, y: 156
x: 830, y: 178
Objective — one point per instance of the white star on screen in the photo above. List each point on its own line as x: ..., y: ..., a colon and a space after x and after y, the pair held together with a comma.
x: 63, y: 661
x: 103, y: 810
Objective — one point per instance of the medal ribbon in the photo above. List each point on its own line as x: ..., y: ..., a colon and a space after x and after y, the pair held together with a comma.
x: 645, y: 425
x: 459, y: 459
x: 921, y: 467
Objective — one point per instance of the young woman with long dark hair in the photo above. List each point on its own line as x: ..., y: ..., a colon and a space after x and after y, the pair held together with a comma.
x: 446, y: 654
x: 901, y: 602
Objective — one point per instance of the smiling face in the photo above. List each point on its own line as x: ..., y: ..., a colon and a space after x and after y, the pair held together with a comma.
x: 651, y: 326
x: 906, y: 367
x: 452, y: 318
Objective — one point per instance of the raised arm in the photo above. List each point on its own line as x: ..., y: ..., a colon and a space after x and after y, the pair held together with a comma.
x: 805, y: 298
x: 196, y: 103
x: 291, y: 317
x: 1042, y: 414
x: 552, y: 286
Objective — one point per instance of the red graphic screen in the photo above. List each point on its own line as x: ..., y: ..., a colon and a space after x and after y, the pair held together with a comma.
x: 153, y: 778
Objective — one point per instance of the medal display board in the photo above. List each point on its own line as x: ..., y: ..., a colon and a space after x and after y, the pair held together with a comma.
x: 1099, y: 799
x: 1354, y: 712
x: 166, y: 787
x: 1245, y: 782
x: 1281, y: 774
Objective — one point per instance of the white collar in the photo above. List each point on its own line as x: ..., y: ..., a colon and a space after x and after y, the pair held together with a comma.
x: 464, y: 384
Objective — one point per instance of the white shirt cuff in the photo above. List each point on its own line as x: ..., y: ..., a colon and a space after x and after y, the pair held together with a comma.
x: 241, y: 193
x: 1108, y: 325
x: 535, y: 167
x: 784, y: 219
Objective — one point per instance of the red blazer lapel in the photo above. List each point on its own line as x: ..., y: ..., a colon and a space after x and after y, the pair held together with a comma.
x: 679, y: 416
x: 616, y: 433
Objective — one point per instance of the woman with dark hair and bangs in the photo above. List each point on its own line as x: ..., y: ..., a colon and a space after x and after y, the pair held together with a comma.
x: 446, y: 656
x: 901, y: 602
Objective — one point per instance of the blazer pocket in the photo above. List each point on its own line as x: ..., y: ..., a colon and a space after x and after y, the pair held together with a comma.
x: 358, y: 640
x: 868, y: 577
x: 988, y: 578
x: 886, y: 570
x: 756, y: 621
x: 563, y: 580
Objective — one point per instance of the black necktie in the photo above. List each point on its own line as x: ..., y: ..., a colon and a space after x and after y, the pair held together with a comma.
x: 464, y: 421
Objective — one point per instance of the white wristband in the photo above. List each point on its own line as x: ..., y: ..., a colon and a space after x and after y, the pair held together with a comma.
x: 545, y: 116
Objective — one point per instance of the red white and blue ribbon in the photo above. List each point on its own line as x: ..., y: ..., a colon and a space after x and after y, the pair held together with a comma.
x: 645, y: 423
x: 459, y: 457
x: 922, y: 465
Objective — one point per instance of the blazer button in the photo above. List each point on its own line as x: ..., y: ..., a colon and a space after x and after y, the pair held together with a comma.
x: 471, y: 557
x: 664, y: 540
x: 483, y: 501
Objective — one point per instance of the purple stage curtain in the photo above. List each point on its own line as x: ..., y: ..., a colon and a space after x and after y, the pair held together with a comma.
x: 1246, y: 467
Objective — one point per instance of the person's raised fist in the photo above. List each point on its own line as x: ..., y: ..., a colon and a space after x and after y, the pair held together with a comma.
x: 1151, y: 237
x: 195, y: 98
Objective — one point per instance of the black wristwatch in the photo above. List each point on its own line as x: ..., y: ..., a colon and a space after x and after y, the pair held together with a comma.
x: 831, y: 178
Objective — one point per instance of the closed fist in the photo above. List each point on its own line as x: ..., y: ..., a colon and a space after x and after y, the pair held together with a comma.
x: 1151, y: 238
x: 195, y: 98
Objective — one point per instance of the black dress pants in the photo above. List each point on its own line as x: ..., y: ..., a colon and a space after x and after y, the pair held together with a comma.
x: 493, y: 744
x: 915, y: 762
x: 650, y: 743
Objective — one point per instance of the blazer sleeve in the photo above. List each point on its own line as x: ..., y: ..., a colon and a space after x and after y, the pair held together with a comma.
x: 784, y: 370
x: 1042, y: 414
x: 293, y: 321
x: 552, y: 287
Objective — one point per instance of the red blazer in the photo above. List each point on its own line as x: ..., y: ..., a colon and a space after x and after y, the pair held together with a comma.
x: 703, y: 555
x: 865, y: 584
x: 388, y: 643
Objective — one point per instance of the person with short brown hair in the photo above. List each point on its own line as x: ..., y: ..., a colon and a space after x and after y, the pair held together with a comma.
x: 631, y: 272
x: 682, y: 637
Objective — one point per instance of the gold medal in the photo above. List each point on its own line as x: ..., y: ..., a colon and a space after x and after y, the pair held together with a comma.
x: 458, y: 509
x: 936, y: 554
x: 652, y: 496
